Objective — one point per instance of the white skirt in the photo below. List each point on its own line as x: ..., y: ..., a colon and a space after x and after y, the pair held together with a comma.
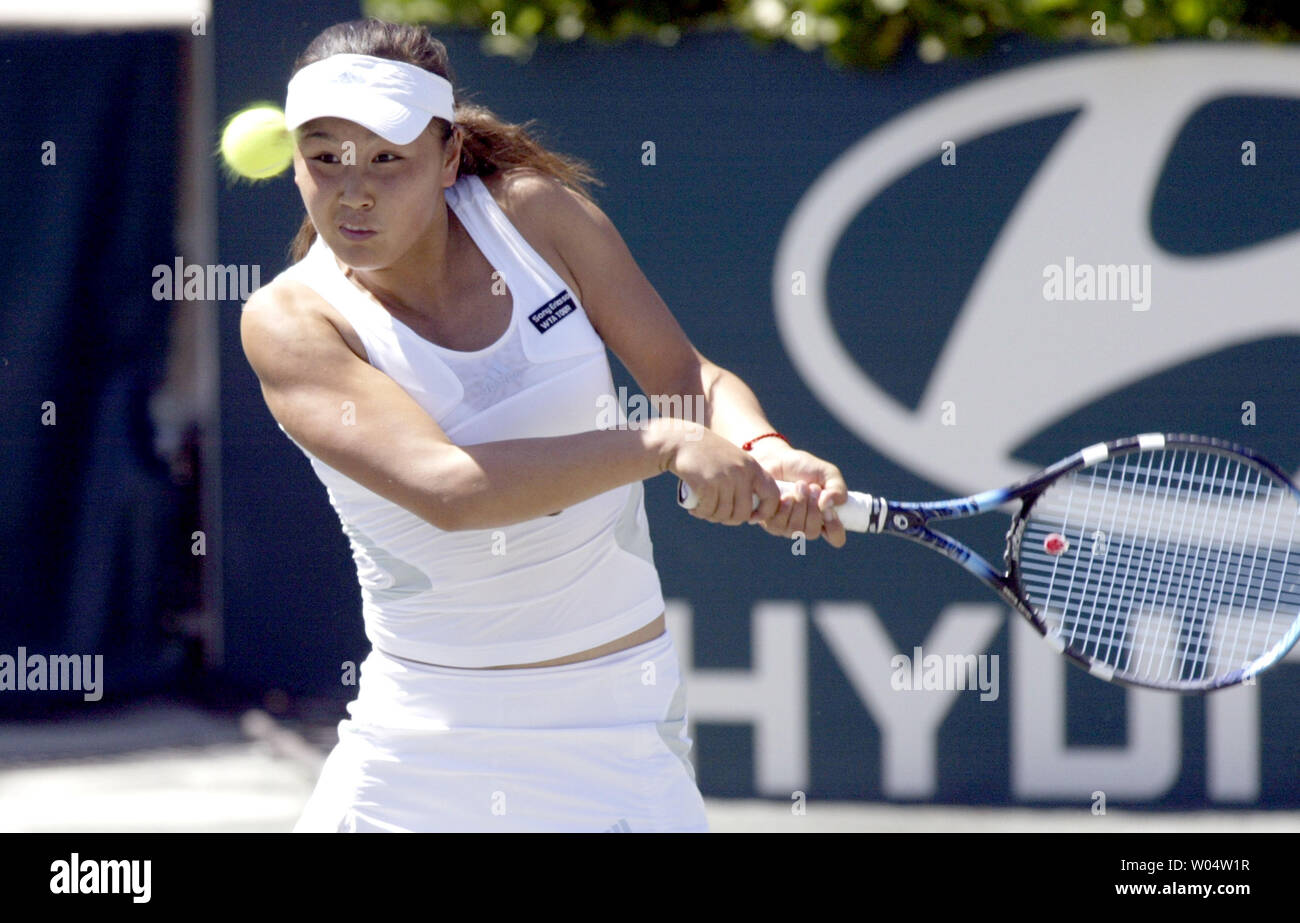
x: 594, y: 746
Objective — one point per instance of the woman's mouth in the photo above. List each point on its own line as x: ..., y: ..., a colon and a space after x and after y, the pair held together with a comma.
x: 356, y: 233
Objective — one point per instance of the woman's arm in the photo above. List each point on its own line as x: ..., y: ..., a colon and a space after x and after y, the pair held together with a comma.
x: 388, y: 443
x: 636, y: 324
x: 819, y: 486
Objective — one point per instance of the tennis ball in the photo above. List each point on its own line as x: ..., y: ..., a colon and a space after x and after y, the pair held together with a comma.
x: 255, y: 143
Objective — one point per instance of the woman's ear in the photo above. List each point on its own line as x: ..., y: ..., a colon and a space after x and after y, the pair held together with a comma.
x: 451, y: 156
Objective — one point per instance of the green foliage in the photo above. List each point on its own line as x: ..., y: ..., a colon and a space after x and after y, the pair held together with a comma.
x: 854, y: 33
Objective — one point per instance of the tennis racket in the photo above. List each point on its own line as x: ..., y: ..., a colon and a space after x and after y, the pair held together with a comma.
x: 1163, y: 561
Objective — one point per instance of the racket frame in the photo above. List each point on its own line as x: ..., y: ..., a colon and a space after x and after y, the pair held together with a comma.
x: 912, y: 521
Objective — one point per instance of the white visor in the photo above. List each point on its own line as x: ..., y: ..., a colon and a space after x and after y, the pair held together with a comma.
x: 393, y: 99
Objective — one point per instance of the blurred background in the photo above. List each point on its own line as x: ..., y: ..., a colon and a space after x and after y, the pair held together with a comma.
x: 852, y: 205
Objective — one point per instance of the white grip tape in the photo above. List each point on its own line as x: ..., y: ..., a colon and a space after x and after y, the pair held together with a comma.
x: 855, y: 513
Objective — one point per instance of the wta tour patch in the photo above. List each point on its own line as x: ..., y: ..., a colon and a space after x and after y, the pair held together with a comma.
x: 554, y: 311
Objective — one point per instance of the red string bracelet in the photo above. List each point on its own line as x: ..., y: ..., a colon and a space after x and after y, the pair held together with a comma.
x: 749, y: 445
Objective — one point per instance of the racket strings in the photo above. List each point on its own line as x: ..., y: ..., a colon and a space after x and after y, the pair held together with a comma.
x: 1179, y: 566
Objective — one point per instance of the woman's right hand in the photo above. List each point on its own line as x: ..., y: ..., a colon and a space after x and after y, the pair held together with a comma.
x: 724, y: 477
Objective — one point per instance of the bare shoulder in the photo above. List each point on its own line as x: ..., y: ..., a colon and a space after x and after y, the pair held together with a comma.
x: 280, y: 312
x: 559, y: 222
x: 538, y: 202
x: 529, y: 189
x: 281, y: 299
x: 579, y: 240
x: 284, y: 316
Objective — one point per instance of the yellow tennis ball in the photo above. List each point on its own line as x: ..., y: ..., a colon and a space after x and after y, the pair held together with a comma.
x: 255, y: 144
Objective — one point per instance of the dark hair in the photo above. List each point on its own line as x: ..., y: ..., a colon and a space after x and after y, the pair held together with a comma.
x: 488, y: 145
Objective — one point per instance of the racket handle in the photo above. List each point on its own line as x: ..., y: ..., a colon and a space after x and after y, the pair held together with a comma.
x: 855, y: 513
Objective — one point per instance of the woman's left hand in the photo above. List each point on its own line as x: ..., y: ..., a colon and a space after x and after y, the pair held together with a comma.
x: 819, y: 487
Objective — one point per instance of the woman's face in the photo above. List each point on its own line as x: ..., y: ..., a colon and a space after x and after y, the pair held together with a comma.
x: 374, y: 201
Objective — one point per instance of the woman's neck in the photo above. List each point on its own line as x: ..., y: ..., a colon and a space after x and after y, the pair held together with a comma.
x: 421, y: 280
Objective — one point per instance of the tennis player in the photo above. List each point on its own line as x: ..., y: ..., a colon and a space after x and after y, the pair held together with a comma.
x: 438, y: 351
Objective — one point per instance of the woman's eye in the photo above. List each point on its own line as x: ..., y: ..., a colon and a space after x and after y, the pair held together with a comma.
x: 333, y: 158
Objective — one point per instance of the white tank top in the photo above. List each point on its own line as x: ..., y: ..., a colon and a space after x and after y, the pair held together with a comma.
x: 532, y: 591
